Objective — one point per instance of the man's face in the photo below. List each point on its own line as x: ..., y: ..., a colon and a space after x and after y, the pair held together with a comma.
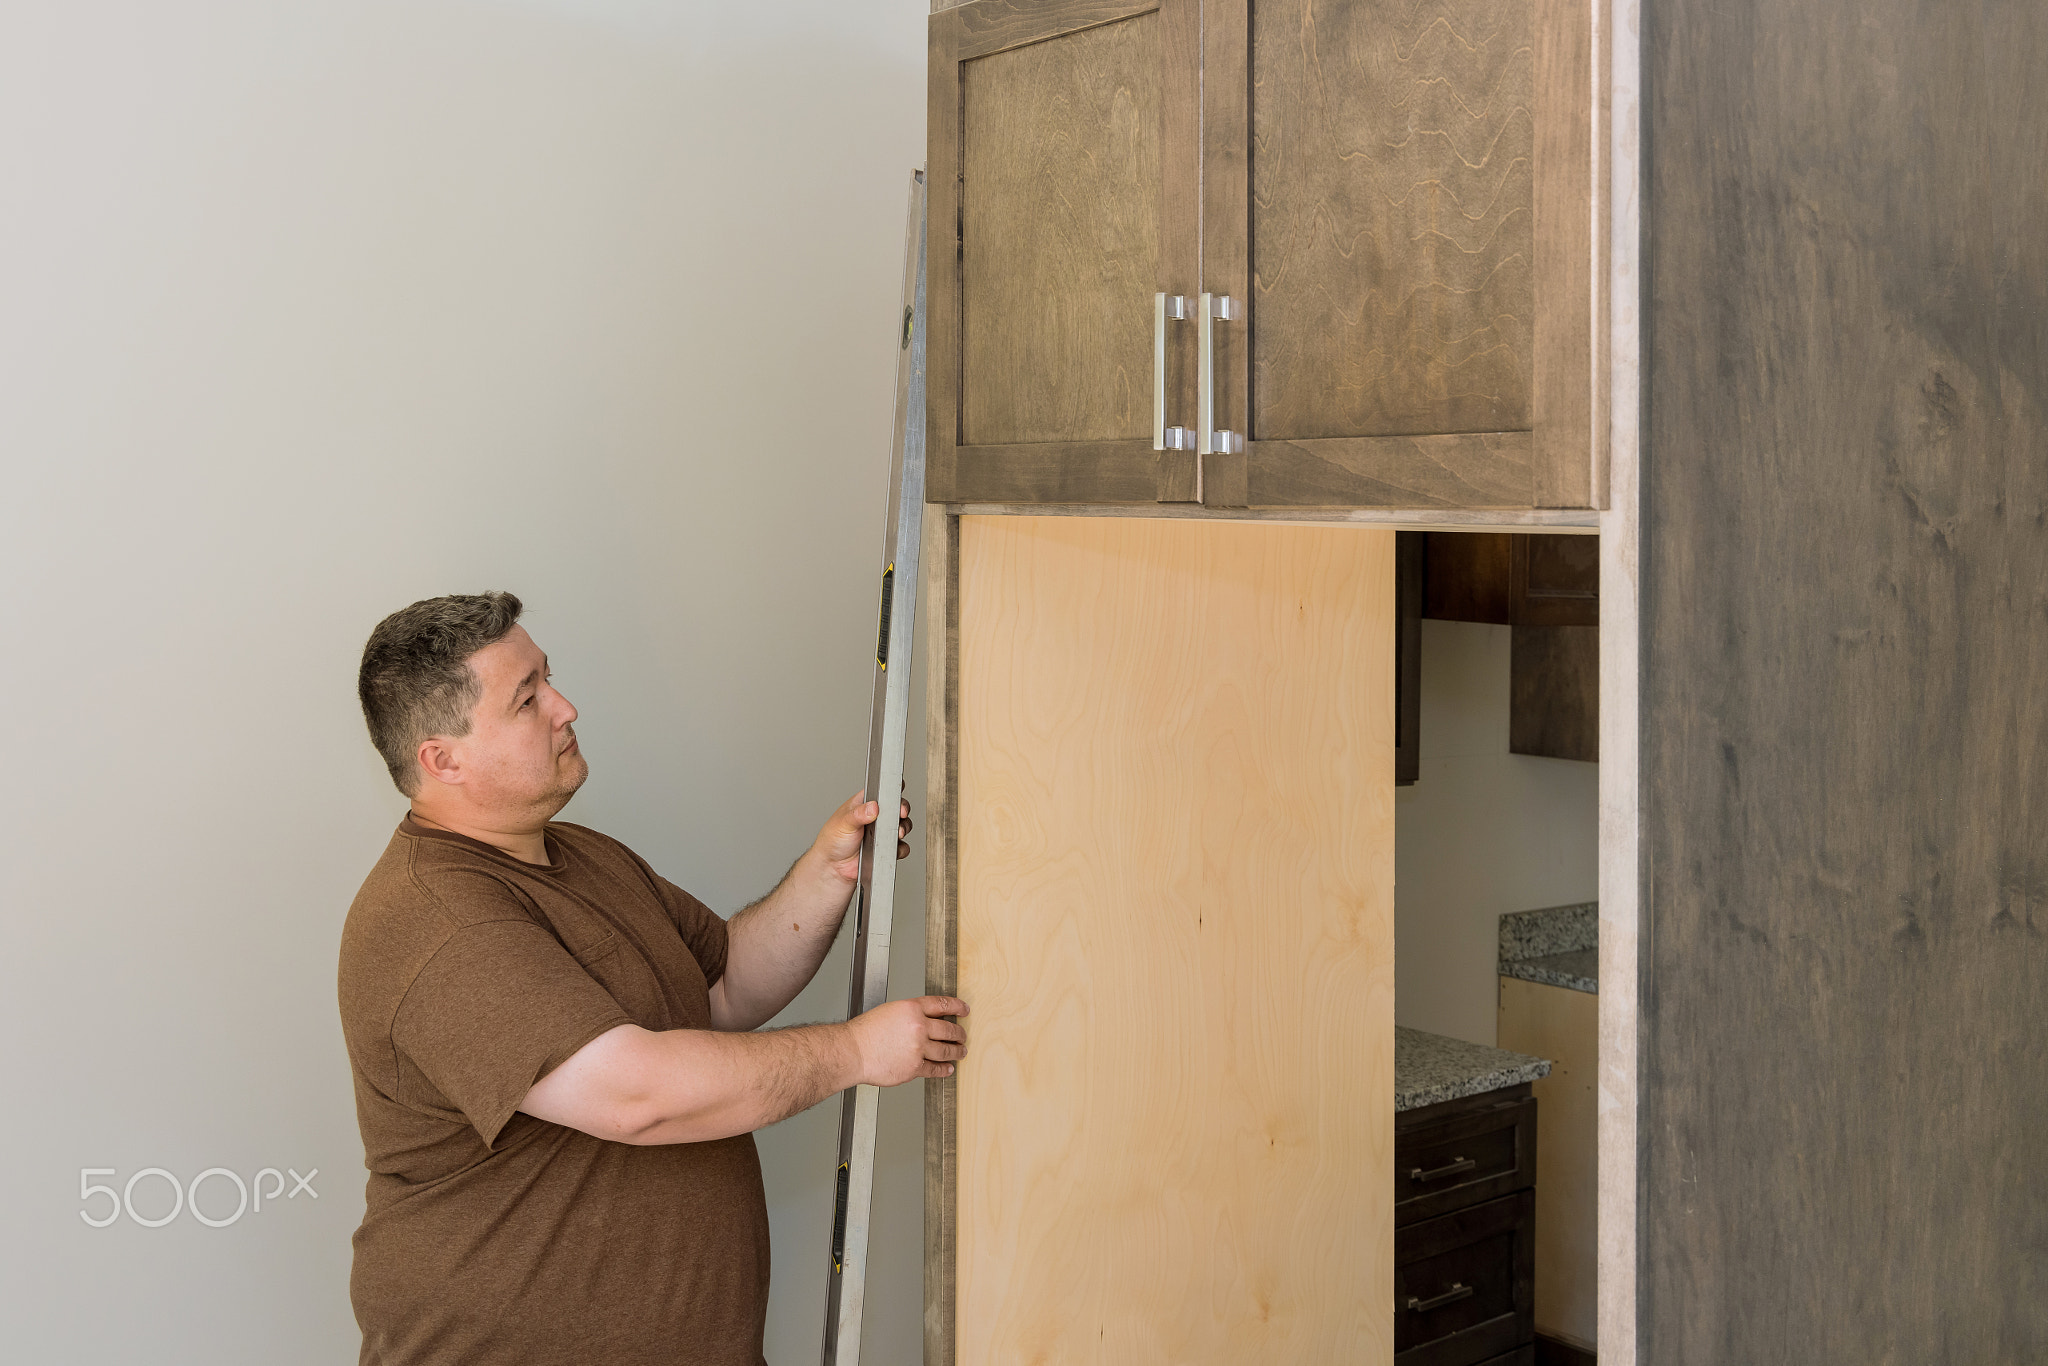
x: 521, y: 752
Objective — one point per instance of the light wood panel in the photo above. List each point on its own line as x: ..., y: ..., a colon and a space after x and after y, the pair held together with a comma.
x: 1564, y: 1026
x: 1392, y: 217
x: 1175, y: 925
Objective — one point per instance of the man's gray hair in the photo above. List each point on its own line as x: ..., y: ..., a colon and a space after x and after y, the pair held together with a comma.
x: 415, y: 679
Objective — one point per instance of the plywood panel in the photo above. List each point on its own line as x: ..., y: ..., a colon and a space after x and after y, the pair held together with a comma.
x: 1563, y: 1026
x: 1392, y: 221
x: 1175, y: 926
x: 1059, y: 202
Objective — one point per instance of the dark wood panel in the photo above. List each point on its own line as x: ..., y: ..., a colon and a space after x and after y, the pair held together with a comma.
x: 1226, y: 225
x: 1458, y: 471
x: 1065, y: 140
x: 1569, y: 441
x: 1513, y: 579
x: 1060, y: 169
x: 1548, y: 1351
x: 1843, y: 1092
x: 1469, y: 576
x: 998, y: 25
x: 1056, y: 472
x: 941, y: 560
x: 1521, y: 1356
x: 1408, y: 573
x: 1556, y: 580
x: 1391, y: 217
x: 1498, y: 1139
x: 1488, y: 1249
x: 942, y: 255
x: 1554, y: 692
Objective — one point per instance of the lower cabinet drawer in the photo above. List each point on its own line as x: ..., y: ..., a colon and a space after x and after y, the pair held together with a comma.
x: 1464, y: 1284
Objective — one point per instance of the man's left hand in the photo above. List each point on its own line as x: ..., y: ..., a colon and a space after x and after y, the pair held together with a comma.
x: 839, y: 842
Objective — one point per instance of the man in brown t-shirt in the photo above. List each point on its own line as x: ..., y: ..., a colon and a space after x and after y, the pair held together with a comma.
x: 555, y: 1073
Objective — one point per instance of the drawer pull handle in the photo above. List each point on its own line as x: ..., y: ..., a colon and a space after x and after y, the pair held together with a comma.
x: 1451, y: 1168
x: 1458, y: 1291
x: 1165, y: 438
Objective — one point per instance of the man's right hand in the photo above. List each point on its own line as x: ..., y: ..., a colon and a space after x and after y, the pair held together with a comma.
x: 906, y: 1039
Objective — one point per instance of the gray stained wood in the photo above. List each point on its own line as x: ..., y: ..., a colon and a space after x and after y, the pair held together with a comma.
x: 1063, y: 135
x: 1569, y: 404
x: 940, y: 557
x: 1392, y: 217
x: 1060, y: 217
x: 1294, y: 222
x: 1844, y: 576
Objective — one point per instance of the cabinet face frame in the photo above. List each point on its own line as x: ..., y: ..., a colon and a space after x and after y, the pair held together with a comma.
x: 1559, y: 463
x: 1090, y: 471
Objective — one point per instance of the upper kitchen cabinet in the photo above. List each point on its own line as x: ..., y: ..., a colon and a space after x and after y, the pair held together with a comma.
x: 1388, y: 205
x: 1065, y: 168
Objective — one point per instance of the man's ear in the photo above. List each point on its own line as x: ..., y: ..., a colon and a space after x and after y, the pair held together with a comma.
x: 438, y: 760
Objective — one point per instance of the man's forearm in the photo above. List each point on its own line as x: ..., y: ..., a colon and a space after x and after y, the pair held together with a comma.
x: 774, y: 947
x: 702, y: 1084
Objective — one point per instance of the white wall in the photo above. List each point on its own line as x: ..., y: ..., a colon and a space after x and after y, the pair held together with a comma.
x: 308, y: 309
x: 1481, y: 832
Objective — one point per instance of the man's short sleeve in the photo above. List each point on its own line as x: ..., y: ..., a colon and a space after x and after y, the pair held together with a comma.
x: 702, y: 928
x: 498, y: 1007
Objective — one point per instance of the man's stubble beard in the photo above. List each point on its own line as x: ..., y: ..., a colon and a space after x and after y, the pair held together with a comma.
x: 572, y: 782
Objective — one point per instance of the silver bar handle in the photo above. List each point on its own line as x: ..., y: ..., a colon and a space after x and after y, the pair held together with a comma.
x: 1209, y: 438
x: 1165, y: 438
x: 1458, y: 1291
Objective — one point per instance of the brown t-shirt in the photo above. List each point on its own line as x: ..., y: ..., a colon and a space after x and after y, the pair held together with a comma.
x: 494, y: 1237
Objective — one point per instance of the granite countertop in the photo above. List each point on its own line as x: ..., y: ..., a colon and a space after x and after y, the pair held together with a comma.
x: 1558, y: 946
x: 1429, y: 1068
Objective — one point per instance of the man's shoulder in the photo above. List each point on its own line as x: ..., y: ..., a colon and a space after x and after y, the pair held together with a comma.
x: 421, y: 891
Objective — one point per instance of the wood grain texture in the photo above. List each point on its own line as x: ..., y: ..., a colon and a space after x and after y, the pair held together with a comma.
x: 988, y: 26
x: 1554, y: 692
x: 940, y: 558
x: 1556, y: 581
x: 1563, y: 1026
x: 1392, y: 217
x: 1226, y: 229
x: 1070, y: 133
x: 1469, y: 576
x: 1060, y: 233
x: 1461, y: 471
x: 942, y: 258
x: 1844, y: 960
x: 1057, y: 472
x: 1175, y: 927
x: 1563, y: 401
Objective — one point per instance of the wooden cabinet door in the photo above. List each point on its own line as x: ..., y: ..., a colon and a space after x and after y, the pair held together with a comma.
x: 1171, y: 910
x: 1064, y: 173
x: 1401, y: 192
